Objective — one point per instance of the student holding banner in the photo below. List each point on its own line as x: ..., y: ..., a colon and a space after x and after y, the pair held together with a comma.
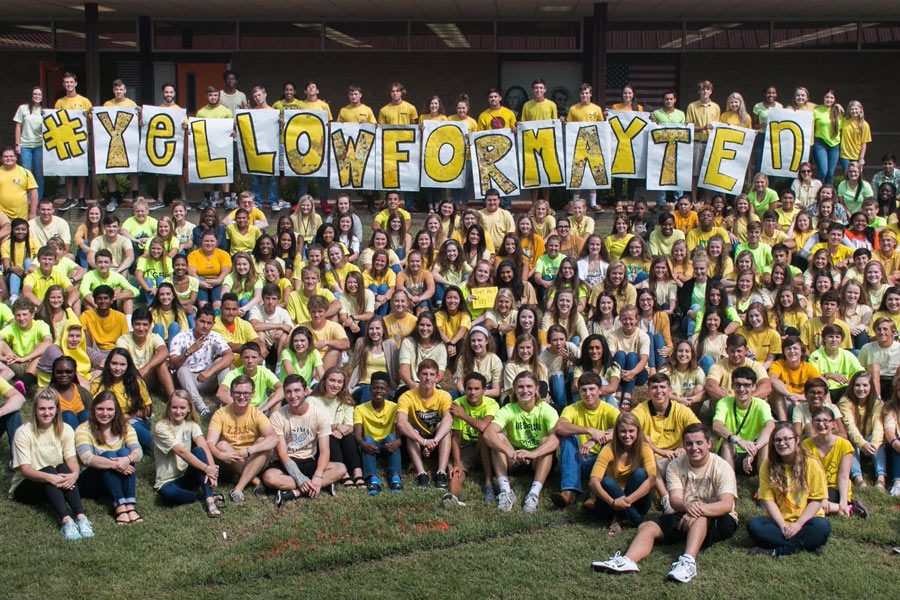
x: 73, y: 101
x: 113, y: 196
x: 461, y: 195
x: 667, y: 115
x: 496, y: 116
x: 761, y: 119
x: 168, y: 93
x: 313, y: 102
x: 703, y: 112
x: 259, y: 96
x: 627, y: 104
x: 586, y: 112
x: 214, y: 109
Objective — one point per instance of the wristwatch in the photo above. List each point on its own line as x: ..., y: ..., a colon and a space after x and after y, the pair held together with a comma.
x: 733, y: 438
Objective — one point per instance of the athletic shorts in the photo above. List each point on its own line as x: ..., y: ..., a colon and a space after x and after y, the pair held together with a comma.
x: 719, y: 528
x: 469, y: 457
x: 307, y: 467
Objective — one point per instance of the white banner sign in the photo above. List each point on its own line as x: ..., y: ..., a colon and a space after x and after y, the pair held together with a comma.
x: 587, y: 147
x: 211, y: 151
x: 258, y: 141
x: 670, y: 157
x: 162, y: 140
x: 789, y: 135
x: 117, y: 140
x: 494, y: 162
x: 629, y: 143
x: 305, y: 139
x: 728, y: 153
x: 397, y: 157
x: 444, y: 154
x: 541, y: 157
x: 352, y: 162
x: 65, y: 150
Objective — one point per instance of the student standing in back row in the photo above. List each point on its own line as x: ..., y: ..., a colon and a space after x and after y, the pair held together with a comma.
x: 113, y: 195
x: 73, y: 101
x: 702, y: 113
x: 586, y: 112
x: 539, y: 108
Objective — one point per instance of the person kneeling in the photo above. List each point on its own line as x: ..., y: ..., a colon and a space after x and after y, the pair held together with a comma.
x: 702, y: 491
x: 304, y: 464
x: 522, y: 434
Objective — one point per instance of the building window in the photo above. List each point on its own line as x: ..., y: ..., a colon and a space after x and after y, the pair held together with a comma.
x: 26, y: 36
x: 880, y: 36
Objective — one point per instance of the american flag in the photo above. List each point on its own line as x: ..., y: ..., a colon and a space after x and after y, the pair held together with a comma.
x: 649, y: 80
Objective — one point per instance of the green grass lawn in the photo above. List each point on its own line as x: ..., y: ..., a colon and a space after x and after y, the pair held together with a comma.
x: 407, y: 546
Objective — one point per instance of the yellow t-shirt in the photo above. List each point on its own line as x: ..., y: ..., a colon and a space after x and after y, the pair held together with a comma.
x: 118, y: 390
x: 399, y: 328
x: 40, y: 283
x: 242, y: 242
x: 377, y: 424
x: 219, y: 112
x: 141, y: 355
x: 296, y: 304
x: 240, y: 332
x: 329, y: 331
x: 499, y: 118
x: 40, y: 448
x: 209, y: 266
x: 76, y: 102
x: 831, y: 462
x: 585, y: 113
x: 853, y: 137
x: 793, y: 379
x: 539, y: 111
x: 382, y: 217
x: 608, y: 465
x: 15, y: 184
x: 398, y: 114
x: 424, y: 415
x: 170, y: 466
x: 497, y: 224
x: 602, y: 418
x: 239, y: 432
x: 664, y: 430
x: 356, y: 114
x: 450, y: 325
x: 104, y: 332
x: 315, y: 105
x: 793, y: 503
x: 125, y: 103
x: 469, y: 121
x: 762, y: 343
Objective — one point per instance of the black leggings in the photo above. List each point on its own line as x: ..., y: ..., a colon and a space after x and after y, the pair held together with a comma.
x: 345, y: 451
x: 32, y: 492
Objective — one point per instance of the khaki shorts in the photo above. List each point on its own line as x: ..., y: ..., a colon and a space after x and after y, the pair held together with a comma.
x: 699, y: 151
x: 470, y: 458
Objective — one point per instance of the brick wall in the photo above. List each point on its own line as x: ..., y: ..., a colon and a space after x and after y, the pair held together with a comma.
x: 867, y: 77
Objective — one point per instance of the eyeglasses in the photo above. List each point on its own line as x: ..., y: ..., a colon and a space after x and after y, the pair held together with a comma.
x: 806, y: 170
x: 742, y: 385
x: 241, y: 394
x: 822, y: 421
x: 784, y: 440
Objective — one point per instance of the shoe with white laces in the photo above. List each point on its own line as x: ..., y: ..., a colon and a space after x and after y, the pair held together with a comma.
x: 112, y: 205
x: 230, y: 203
x: 531, y: 503
x: 616, y: 564
x: 70, y: 531
x: 683, y: 570
x: 506, y: 500
x: 451, y: 501
x: 895, y: 489
x: 280, y: 205
x: 85, y: 528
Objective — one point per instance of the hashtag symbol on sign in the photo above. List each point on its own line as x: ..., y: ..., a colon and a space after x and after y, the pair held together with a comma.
x: 64, y: 135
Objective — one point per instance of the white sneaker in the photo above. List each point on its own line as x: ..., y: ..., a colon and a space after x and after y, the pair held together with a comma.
x: 531, y: 503
x: 280, y: 205
x: 230, y: 203
x: 112, y: 205
x: 684, y: 569
x: 450, y: 501
x: 85, y: 528
x: 667, y: 505
x: 895, y: 489
x: 70, y: 531
x: 506, y: 500
x: 616, y: 564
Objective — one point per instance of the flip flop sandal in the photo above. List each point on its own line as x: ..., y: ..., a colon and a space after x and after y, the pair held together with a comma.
x: 347, y: 483
x: 212, y: 511
x: 360, y: 483
x: 119, y: 520
x: 139, y: 518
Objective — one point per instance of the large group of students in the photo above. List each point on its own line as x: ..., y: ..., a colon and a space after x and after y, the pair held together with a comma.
x: 693, y: 343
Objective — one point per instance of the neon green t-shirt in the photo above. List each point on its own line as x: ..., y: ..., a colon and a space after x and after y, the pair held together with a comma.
x: 526, y: 430
x: 747, y: 423
x: 264, y: 382
x: 24, y: 341
x: 487, y: 408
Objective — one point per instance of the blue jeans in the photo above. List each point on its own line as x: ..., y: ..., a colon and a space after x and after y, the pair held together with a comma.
x: 860, y: 340
x: 439, y: 290
x: 706, y: 362
x: 181, y: 491
x: 211, y: 295
x: 573, y: 467
x: 381, y: 290
x: 409, y: 201
x: 895, y: 462
x: 627, y: 362
x: 765, y: 532
x: 81, y: 259
x: 321, y: 184
x: 361, y: 394
x: 657, y: 342
x: 689, y: 324
x: 167, y: 334
x: 560, y: 383
x: 10, y: 423
x: 826, y: 158
x: 73, y: 420
x: 33, y: 160
x: 636, y: 512
x: 15, y: 282
x: 119, y: 487
x: 432, y: 196
x: 143, y: 429
x: 462, y: 195
x: 271, y: 184
x: 879, y: 461
x: 370, y: 461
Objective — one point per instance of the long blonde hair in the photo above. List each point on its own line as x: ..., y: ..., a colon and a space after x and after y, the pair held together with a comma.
x: 47, y: 393
x: 793, y: 465
x: 633, y: 453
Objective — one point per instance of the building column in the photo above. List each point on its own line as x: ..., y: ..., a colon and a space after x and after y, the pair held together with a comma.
x: 91, y: 52
x: 598, y: 55
x: 145, y: 57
